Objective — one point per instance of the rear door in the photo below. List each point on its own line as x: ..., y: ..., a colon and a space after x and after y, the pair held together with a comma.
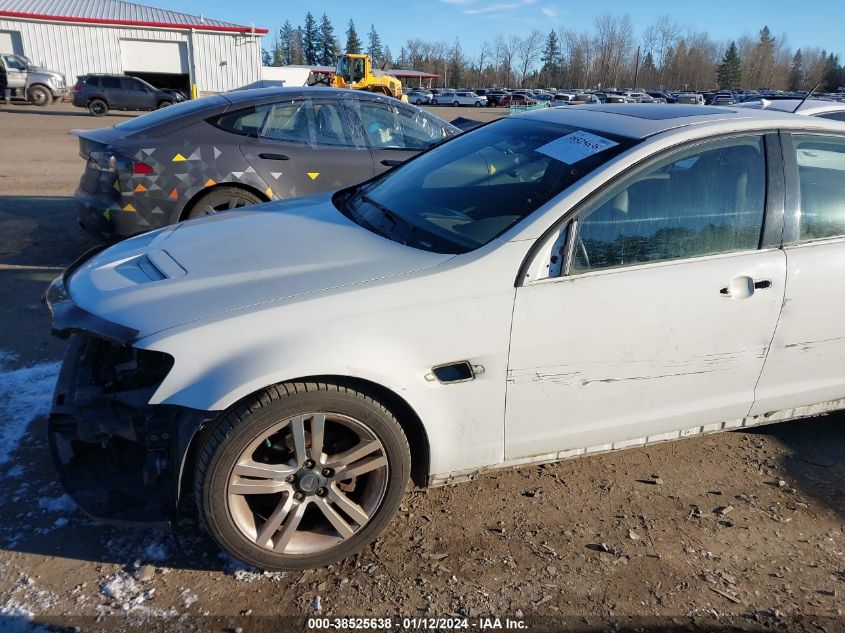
x: 806, y: 364
x: 306, y: 146
x: 114, y: 91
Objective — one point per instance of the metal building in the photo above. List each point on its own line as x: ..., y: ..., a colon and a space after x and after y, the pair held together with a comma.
x: 166, y: 48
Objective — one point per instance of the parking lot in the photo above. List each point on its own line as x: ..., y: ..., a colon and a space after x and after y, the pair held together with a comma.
x: 743, y: 529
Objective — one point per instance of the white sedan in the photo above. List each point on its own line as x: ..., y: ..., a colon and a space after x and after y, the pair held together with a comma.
x: 551, y: 285
x: 460, y: 98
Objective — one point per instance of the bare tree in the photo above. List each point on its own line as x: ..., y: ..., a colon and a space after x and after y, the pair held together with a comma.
x: 528, y: 52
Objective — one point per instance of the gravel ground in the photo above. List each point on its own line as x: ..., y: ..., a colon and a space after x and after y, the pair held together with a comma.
x: 733, y: 531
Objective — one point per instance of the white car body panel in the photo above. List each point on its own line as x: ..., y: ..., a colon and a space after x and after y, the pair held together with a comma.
x: 679, y: 353
x: 294, y: 290
x: 806, y: 364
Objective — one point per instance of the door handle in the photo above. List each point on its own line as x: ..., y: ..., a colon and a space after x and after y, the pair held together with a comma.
x: 267, y: 156
x: 744, y: 286
x: 391, y: 162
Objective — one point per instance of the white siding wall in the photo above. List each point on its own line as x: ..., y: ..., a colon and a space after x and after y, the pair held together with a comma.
x: 242, y: 55
x: 76, y: 49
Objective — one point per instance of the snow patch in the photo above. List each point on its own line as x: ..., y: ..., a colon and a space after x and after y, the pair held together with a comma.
x: 245, y: 573
x: 156, y: 552
x: 25, y: 394
x: 61, y: 503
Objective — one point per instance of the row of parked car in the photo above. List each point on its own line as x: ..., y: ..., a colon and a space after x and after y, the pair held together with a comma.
x: 404, y: 306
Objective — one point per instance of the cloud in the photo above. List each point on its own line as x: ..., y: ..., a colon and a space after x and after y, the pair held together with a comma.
x: 498, y: 7
x: 458, y: 1
x: 550, y: 12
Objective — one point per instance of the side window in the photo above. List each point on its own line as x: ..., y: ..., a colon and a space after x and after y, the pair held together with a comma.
x: 133, y: 85
x: 292, y: 121
x: 13, y: 64
x: 419, y: 131
x: 381, y: 125
x: 834, y: 116
x: 111, y: 83
x: 249, y: 121
x: 330, y: 126
x: 93, y: 81
x: 705, y: 201
x: 821, y: 173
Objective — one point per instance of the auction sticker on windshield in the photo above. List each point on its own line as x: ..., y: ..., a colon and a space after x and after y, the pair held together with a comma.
x: 577, y: 146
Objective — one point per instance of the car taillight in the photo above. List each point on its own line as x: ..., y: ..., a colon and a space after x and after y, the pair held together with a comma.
x: 77, y: 87
x: 142, y: 169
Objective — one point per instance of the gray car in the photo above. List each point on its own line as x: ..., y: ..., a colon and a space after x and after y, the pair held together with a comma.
x: 247, y: 147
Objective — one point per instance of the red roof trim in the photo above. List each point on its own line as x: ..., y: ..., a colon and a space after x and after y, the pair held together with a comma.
x: 169, y: 25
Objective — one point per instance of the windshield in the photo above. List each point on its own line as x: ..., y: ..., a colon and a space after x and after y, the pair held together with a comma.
x: 465, y: 193
x: 350, y: 68
x: 166, y: 114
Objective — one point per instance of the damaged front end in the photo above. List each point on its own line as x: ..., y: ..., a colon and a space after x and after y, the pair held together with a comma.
x: 118, y: 457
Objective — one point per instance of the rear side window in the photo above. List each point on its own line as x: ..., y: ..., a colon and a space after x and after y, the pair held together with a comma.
x: 93, y: 82
x: 705, y: 201
x: 248, y: 122
x: 111, y: 83
x: 834, y: 116
x: 292, y: 121
x: 821, y: 173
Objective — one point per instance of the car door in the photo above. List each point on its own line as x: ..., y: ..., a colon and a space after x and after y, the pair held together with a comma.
x: 307, y: 147
x: 806, y: 364
x: 656, y: 312
x: 395, y: 133
x: 114, y: 92
x: 15, y: 72
x: 138, y: 96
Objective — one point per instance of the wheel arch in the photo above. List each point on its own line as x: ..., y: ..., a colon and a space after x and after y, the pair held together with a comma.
x: 189, y: 205
x: 405, y: 414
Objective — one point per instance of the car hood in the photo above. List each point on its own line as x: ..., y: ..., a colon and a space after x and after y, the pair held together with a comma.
x: 235, y: 260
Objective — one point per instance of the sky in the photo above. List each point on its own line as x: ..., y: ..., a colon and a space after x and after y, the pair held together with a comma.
x: 805, y: 23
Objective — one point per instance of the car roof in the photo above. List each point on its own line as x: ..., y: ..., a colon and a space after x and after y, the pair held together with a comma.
x: 253, y: 94
x: 642, y: 120
x: 811, y: 106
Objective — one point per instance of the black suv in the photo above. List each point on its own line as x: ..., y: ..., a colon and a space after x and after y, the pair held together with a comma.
x: 101, y: 93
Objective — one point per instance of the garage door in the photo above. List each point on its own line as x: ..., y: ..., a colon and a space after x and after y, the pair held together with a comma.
x: 144, y: 56
x: 10, y: 43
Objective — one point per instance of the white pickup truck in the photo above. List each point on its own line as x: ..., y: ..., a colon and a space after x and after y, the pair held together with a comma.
x: 23, y: 81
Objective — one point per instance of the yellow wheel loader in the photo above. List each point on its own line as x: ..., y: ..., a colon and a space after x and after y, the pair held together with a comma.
x: 356, y: 71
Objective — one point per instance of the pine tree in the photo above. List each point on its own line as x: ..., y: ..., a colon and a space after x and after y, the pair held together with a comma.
x: 310, y: 40
x: 374, y: 48
x: 327, y: 43
x: 353, y: 43
x: 729, y: 72
x: 551, y: 53
x: 796, y: 72
x: 277, y: 58
x: 834, y: 76
x: 266, y: 57
x: 387, y: 59
x: 288, y: 37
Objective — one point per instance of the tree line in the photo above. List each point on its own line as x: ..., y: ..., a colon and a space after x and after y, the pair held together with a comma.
x: 611, y: 55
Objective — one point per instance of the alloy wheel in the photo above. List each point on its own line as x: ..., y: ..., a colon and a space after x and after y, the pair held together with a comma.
x: 308, y: 483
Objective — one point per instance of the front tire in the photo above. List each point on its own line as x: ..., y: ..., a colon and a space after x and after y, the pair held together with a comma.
x: 163, y: 104
x: 455, y: 103
x: 40, y: 96
x: 301, y: 475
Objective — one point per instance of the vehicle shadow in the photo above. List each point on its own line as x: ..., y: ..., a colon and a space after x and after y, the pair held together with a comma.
x: 814, y: 463
x: 31, y: 109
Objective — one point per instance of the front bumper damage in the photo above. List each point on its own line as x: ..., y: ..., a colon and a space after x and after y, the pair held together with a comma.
x: 119, y: 458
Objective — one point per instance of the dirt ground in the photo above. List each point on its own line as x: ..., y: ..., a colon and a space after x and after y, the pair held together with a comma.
x: 738, y: 531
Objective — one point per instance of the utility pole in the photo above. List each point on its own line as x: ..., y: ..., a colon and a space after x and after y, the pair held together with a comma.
x: 637, y: 71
